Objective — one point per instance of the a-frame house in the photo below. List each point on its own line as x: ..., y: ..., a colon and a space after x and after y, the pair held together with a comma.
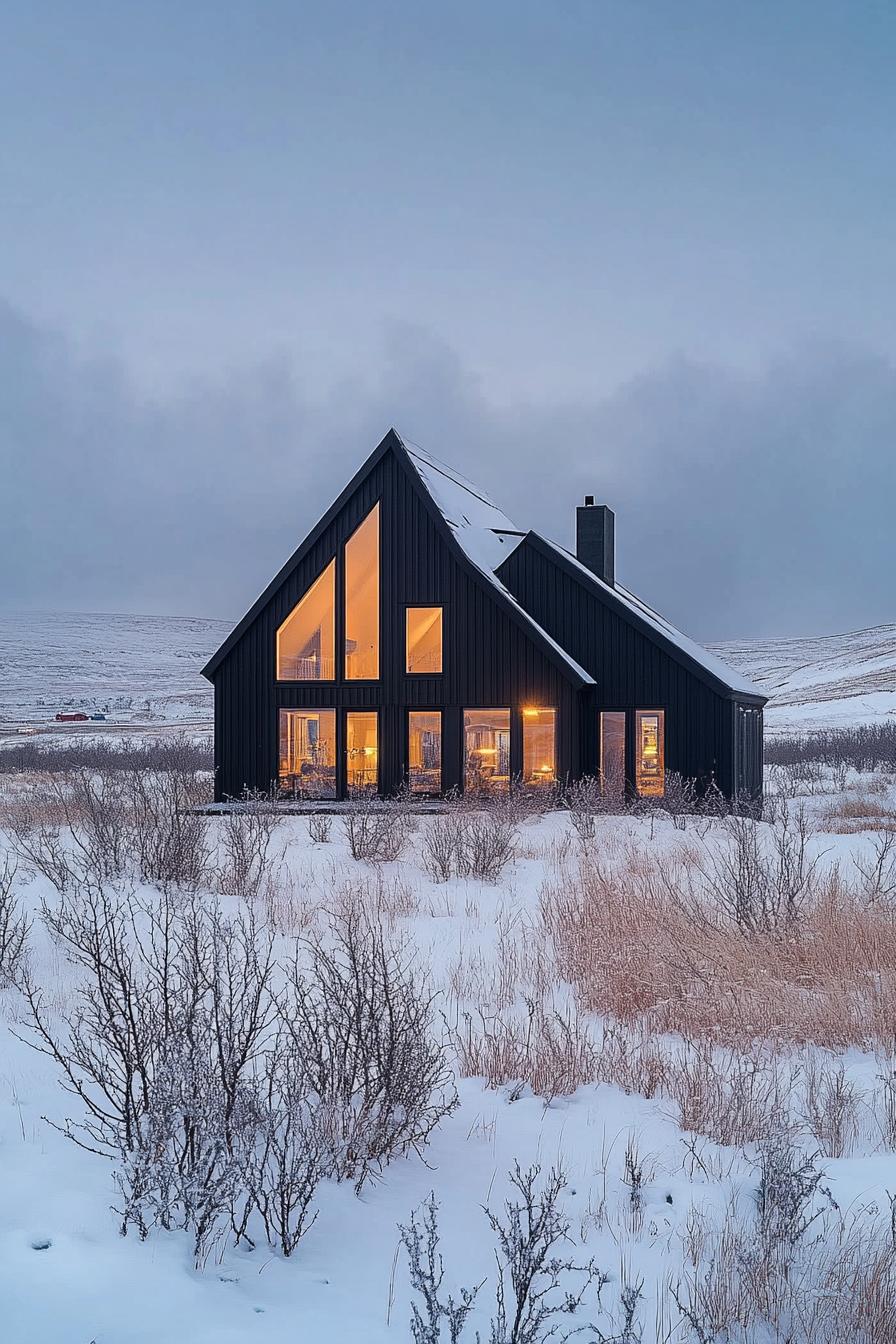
x: 418, y: 639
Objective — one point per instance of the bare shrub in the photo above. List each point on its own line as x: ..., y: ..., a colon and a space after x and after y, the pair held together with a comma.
x: 761, y: 887
x: 169, y: 837
x: 291, y: 1156
x: 879, y: 873
x: 466, y: 843
x: 247, y: 832
x: 175, y: 752
x: 487, y: 844
x: 788, y: 1183
x: 361, y: 1025
x: 536, y: 1283
x: 377, y: 829
x: 320, y: 825
x: 866, y: 747
x: 14, y: 926
x: 585, y: 802
x: 832, y: 1104
x: 427, y: 1273
x: 442, y: 846
x: 153, y: 974
x: 532, y: 1287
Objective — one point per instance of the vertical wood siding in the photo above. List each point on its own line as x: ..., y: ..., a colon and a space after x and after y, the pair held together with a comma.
x: 632, y: 672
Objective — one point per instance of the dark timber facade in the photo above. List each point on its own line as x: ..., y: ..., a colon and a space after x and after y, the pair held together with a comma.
x: 417, y: 638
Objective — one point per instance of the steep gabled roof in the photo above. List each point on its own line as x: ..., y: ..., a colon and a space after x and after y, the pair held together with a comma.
x: 686, y: 650
x: 480, y: 534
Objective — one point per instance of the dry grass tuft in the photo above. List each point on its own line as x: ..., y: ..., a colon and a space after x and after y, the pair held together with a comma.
x: 639, y: 946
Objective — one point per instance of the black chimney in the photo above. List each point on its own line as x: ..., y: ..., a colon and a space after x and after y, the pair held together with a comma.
x: 596, y: 539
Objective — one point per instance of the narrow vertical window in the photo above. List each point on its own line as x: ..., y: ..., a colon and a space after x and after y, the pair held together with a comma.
x: 539, y: 747
x: 308, y: 753
x: 424, y: 751
x: 423, y: 640
x: 650, y: 753
x: 362, y: 600
x: 361, y: 752
x: 612, y: 754
x: 306, y: 641
x: 486, y: 750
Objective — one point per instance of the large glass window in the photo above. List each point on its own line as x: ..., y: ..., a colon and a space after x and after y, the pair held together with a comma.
x: 539, y: 746
x: 308, y: 753
x: 424, y: 639
x: 650, y: 752
x: 362, y: 600
x: 361, y: 754
x: 424, y: 751
x: 486, y: 750
x: 612, y: 754
x: 306, y: 641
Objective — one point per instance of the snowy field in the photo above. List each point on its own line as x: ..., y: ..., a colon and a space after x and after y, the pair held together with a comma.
x: 714, y: 1076
x: 134, y: 669
x: 143, y: 673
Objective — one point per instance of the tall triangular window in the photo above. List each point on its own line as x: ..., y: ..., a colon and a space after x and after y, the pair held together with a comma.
x: 362, y: 600
x: 306, y: 641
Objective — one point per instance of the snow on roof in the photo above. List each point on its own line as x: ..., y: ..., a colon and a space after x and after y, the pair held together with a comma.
x: 488, y: 537
x: 735, y: 681
x: 484, y: 533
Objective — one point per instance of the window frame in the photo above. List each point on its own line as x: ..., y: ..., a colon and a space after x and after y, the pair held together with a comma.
x: 660, y: 715
x: 310, y: 711
x: 440, y: 713
x: 425, y: 606
x: 528, y: 711
x: 626, y: 729
x: 311, y: 681
x: 487, y: 709
x: 342, y: 605
x: 378, y: 718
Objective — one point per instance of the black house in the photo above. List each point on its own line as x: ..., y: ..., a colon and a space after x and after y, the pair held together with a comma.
x: 418, y: 638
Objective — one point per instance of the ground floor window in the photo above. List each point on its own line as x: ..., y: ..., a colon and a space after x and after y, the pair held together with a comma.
x: 425, y: 751
x: 539, y: 747
x: 650, y: 752
x: 361, y: 751
x: 612, y: 754
x: 308, y: 753
x: 486, y: 750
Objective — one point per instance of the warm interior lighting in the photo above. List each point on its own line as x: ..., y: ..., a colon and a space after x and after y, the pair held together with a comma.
x: 539, y: 746
x: 361, y: 751
x: 424, y: 751
x: 423, y: 643
x: 650, y: 752
x: 362, y: 600
x: 486, y: 750
x: 306, y: 641
x: 612, y: 753
x: 308, y: 753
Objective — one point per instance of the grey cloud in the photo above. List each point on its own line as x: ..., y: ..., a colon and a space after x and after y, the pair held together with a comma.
x: 746, y: 505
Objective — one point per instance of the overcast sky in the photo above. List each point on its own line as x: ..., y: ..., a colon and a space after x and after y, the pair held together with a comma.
x: 645, y: 250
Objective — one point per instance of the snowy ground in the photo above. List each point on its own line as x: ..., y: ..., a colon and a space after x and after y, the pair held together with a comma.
x: 66, y: 1274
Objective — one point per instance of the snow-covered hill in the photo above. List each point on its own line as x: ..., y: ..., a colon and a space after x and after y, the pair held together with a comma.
x: 135, y: 669
x: 146, y: 669
x: 826, y: 681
